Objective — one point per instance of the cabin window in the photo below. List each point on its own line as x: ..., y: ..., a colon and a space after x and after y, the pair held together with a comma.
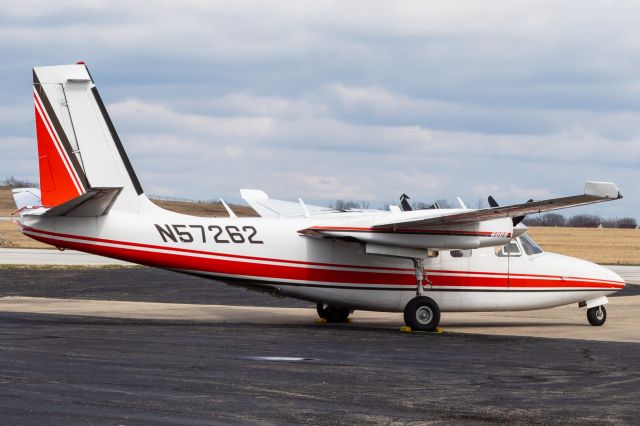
x: 460, y: 253
x: 511, y: 249
x: 432, y: 253
x: 530, y: 247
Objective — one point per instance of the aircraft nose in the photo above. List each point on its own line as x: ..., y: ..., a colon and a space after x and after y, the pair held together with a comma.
x: 585, y: 271
x: 612, y: 276
x: 601, y: 274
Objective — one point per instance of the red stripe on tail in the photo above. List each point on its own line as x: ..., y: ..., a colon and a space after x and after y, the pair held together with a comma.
x: 57, y: 183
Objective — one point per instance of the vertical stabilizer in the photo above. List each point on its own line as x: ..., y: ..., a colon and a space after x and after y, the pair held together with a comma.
x: 78, y: 146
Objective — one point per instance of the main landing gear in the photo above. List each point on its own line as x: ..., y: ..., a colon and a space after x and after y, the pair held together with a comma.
x: 421, y: 313
x: 332, y: 313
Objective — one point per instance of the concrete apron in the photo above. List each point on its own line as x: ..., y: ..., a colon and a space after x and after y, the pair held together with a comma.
x: 566, y: 322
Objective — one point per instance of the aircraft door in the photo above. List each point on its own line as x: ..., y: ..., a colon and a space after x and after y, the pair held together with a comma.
x: 508, y: 254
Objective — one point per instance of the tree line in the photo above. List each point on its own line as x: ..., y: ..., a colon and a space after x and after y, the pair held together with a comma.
x: 547, y: 219
x: 580, y: 221
x: 13, y: 182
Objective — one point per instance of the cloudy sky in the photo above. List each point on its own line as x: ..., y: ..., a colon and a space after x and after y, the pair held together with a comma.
x: 352, y: 100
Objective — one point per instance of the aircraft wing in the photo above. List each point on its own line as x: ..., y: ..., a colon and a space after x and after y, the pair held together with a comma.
x: 594, y: 192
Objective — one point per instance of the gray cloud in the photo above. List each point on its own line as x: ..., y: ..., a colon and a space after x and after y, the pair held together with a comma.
x: 346, y: 99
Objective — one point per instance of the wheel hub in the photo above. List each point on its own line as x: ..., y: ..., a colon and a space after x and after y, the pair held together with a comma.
x: 599, y: 314
x: 424, y: 315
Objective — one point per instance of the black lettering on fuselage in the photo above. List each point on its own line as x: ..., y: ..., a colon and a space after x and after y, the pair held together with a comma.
x: 166, y: 233
x: 230, y: 234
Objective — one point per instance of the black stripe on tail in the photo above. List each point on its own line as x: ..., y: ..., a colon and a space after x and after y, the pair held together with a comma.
x: 116, y: 139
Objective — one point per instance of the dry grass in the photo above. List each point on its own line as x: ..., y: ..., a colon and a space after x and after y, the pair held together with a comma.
x: 11, y: 267
x: 11, y: 237
x: 605, y: 246
x: 205, y: 209
x: 7, y: 206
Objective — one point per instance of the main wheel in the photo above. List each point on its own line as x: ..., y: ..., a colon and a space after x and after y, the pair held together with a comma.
x: 597, y: 315
x: 333, y: 313
x: 422, y: 314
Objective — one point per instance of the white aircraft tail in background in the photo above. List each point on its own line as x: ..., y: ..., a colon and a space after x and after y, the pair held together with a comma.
x: 418, y: 262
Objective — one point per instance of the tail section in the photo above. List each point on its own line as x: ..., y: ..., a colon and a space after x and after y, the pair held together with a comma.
x: 78, y: 147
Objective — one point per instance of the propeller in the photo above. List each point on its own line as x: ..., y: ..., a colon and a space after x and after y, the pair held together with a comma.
x: 404, y: 203
x: 516, y: 220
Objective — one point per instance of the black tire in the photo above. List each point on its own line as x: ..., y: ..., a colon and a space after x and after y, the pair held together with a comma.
x: 597, y: 315
x: 333, y: 313
x: 422, y: 314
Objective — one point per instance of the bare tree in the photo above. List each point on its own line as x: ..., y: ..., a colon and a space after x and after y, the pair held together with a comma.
x: 623, y: 222
x: 345, y: 205
x: 420, y: 205
x: 584, y: 221
x: 443, y: 204
x: 13, y: 182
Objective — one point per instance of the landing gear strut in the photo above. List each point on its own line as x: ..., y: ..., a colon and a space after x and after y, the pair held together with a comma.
x: 421, y: 313
x: 597, y: 315
x: 333, y: 313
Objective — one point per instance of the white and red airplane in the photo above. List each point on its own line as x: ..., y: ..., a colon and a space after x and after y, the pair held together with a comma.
x: 417, y: 262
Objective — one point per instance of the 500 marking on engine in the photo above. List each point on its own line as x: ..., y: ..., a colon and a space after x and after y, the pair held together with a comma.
x: 229, y: 234
x: 500, y: 234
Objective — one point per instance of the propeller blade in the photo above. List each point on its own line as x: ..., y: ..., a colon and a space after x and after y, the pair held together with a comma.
x: 404, y: 203
x: 516, y: 220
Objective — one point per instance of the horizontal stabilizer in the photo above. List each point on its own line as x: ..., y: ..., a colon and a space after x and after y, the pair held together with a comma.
x: 26, y: 197
x: 95, y: 202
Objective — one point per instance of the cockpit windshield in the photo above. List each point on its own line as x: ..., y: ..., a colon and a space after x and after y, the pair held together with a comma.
x: 530, y: 247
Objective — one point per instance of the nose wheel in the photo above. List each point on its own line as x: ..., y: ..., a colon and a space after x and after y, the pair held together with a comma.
x: 597, y: 315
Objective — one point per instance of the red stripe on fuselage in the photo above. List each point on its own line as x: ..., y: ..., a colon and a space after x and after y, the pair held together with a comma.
x: 209, y: 253
x: 192, y: 260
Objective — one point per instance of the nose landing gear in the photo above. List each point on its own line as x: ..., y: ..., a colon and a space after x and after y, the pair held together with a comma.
x: 597, y: 315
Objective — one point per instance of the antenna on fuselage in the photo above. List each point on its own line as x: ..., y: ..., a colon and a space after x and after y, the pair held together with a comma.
x: 304, y: 207
x: 228, y: 209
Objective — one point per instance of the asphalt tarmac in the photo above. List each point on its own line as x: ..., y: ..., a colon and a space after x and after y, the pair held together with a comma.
x: 60, y: 369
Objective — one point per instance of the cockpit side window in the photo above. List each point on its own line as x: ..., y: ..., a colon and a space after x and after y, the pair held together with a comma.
x: 512, y: 249
x: 530, y: 247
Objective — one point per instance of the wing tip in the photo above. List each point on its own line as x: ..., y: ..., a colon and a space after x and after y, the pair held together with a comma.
x: 607, y: 190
